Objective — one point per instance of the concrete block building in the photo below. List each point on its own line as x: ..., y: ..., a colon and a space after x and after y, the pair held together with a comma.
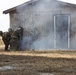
x: 48, y: 24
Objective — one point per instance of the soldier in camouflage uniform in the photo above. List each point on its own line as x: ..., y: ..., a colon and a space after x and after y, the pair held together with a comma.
x: 10, y: 31
x: 6, y: 36
x: 6, y: 39
x: 1, y: 33
x: 16, y: 39
x: 20, y: 32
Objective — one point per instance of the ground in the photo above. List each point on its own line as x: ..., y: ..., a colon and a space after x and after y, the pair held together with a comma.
x: 54, y: 62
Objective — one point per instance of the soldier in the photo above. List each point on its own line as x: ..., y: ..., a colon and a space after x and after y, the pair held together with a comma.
x: 1, y: 33
x: 6, y: 36
x: 16, y: 38
x: 6, y: 39
x: 10, y: 31
x: 20, y: 32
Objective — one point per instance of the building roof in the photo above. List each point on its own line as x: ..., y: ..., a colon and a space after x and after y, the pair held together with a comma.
x: 14, y: 8
x: 29, y: 2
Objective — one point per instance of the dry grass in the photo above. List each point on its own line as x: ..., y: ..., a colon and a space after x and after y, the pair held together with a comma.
x: 37, y: 62
x: 50, y: 54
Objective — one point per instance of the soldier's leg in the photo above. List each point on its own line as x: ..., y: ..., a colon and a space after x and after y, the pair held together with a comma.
x: 6, y: 47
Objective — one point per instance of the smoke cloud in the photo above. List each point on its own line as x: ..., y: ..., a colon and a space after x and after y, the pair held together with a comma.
x: 37, y: 19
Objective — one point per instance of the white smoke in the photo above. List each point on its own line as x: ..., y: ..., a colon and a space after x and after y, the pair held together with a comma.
x: 36, y: 17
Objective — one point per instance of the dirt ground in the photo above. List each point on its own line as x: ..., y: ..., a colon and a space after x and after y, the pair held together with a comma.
x: 54, y: 62
x: 37, y: 62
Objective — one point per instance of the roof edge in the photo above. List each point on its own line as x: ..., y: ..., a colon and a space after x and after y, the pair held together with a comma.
x: 9, y: 10
x: 14, y: 8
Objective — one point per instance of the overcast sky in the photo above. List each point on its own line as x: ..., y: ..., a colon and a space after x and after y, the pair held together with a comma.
x: 6, y: 4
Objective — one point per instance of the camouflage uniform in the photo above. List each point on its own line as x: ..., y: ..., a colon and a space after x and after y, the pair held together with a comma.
x: 16, y: 39
x: 20, y: 31
x: 6, y: 39
x: 10, y: 31
x: 1, y: 33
